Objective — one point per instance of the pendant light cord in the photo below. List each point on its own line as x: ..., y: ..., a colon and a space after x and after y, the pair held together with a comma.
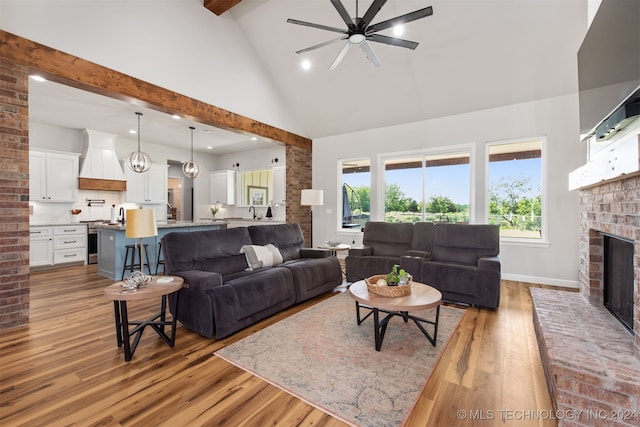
x: 192, y: 129
x: 139, y: 114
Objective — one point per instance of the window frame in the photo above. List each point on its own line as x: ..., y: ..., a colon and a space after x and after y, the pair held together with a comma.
x: 543, y: 240
x: 339, y: 228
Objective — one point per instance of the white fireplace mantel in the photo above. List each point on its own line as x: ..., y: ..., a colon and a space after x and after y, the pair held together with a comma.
x: 618, y: 160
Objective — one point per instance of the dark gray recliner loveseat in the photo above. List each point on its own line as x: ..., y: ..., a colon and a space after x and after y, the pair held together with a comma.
x: 222, y: 296
x: 460, y: 260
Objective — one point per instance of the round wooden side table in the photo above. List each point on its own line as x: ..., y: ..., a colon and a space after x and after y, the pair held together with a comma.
x: 160, y: 286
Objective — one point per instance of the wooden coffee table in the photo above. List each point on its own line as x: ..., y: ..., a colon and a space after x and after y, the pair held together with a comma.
x: 120, y: 297
x: 422, y: 297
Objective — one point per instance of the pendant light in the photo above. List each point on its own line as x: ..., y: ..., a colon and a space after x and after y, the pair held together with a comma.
x: 139, y: 161
x: 191, y: 169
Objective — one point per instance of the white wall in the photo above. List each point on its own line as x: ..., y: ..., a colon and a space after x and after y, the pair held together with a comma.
x: 555, y: 118
x: 175, y: 44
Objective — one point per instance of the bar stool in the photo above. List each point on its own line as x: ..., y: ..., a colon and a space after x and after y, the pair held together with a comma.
x: 159, y: 261
x: 132, y: 263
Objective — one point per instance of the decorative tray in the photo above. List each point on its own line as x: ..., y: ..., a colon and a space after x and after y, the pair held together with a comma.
x: 386, y: 291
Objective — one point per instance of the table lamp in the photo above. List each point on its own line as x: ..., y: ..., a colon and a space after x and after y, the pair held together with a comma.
x: 141, y: 223
x: 311, y: 198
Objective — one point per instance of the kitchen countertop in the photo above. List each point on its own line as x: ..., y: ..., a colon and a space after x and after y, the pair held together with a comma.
x: 265, y: 220
x: 57, y: 224
x: 169, y: 224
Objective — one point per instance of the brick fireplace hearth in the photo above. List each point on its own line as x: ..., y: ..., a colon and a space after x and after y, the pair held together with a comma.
x: 592, y: 362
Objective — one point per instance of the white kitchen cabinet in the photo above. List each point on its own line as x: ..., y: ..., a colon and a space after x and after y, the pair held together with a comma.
x: 222, y: 187
x: 53, y: 177
x: 40, y: 246
x: 147, y: 187
x: 279, y: 185
x: 69, y: 244
x: 60, y: 244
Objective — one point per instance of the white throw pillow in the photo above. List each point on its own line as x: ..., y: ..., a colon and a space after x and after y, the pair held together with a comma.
x: 261, y: 256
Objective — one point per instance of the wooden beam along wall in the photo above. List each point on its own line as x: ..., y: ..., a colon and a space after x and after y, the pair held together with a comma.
x: 220, y: 6
x: 70, y: 70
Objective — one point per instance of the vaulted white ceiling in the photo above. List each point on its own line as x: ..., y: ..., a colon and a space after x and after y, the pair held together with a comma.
x: 473, y: 55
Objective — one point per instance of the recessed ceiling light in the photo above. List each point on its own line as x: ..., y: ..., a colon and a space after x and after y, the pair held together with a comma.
x: 177, y: 117
x: 305, y: 64
x: 38, y: 78
x: 398, y: 30
x: 209, y: 148
x: 253, y: 138
x: 132, y: 131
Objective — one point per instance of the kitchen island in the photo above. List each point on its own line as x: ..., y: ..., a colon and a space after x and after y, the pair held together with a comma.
x: 112, y: 242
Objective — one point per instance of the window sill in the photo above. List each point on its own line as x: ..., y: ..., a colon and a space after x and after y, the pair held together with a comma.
x: 533, y: 243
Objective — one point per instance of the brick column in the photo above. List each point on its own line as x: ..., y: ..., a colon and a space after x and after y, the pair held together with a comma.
x: 14, y: 195
x: 298, y: 178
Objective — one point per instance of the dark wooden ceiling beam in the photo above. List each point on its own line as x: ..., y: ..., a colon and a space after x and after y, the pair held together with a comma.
x: 67, y: 69
x: 220, y: 6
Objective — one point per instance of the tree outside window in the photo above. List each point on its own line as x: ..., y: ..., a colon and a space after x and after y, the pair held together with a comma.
x: 428, y: 187
x: 515, y: 189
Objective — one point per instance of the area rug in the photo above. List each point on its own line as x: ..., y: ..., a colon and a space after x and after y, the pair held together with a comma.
x: 323, y: 357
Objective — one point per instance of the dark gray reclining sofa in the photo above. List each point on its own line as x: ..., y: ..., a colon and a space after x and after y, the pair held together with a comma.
x: 460, y: 260
x: 222, y: 296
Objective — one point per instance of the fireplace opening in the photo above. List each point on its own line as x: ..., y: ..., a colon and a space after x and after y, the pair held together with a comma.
x: 618, y: 279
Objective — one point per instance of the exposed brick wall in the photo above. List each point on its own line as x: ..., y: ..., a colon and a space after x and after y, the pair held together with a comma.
x: 14, y: 195
x: 612, y: 208
x: 298, y: 178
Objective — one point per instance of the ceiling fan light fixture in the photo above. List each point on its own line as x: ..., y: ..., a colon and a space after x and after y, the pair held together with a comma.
x: 191, y: 169
x: 139, y: 161
x: 357, y: 38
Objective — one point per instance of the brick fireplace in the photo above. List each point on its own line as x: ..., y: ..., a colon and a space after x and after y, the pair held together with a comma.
x: 612, y: 208
x: 591, y: 361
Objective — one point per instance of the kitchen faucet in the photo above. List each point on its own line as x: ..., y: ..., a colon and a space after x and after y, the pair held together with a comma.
x: 254, y: 211
x: 121, y: 215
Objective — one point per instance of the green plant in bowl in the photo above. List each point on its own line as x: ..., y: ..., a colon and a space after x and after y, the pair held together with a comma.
x: 398, y: 276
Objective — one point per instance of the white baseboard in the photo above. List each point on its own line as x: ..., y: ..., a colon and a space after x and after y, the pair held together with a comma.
x: 542, y: 280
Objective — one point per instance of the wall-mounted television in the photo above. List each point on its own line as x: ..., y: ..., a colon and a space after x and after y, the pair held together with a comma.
x: 609, y: 68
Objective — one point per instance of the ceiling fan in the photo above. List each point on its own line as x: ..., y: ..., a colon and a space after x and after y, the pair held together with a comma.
x: 359, y: 30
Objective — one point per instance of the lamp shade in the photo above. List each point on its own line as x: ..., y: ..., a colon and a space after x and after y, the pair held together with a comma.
x: 140, y: 223
x: 311, y: 197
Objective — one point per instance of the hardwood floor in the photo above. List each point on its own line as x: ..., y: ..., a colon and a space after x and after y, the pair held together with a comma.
x: 65, y: 369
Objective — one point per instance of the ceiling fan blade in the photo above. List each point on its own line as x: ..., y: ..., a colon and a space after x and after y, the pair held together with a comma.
x: 370, y: 54
x: 402, y: 19
x: 341, y: 55
x: 371, y: 13
x: 322, y: 44
x: 318, y: 26
x: 343, y: 14
x: 379, y: 38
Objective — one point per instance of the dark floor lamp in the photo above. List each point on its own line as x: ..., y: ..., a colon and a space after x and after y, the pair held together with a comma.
x: 311, y: 198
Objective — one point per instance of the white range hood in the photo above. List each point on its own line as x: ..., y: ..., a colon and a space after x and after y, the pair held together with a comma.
x: 100, y: 168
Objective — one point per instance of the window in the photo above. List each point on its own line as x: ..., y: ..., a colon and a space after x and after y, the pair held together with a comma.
x: 515, y: 188
x: 427, y: 187
x: 356, y: 193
